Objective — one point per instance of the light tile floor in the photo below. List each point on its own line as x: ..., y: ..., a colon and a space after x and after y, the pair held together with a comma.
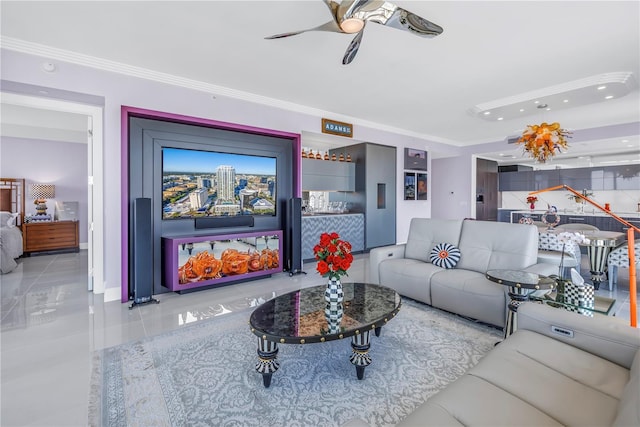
x: 51, y: 325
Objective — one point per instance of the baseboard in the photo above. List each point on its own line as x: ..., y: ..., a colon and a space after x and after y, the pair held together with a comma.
x: 112, y: 294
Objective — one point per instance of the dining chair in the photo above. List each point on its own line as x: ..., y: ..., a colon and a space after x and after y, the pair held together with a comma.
x: 550, y: 251
x: 619, y: 257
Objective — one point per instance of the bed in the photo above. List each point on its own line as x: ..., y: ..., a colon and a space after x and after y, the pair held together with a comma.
x: 11, y: 220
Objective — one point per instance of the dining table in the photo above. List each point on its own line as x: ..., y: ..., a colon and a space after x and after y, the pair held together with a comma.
x: 599, y: 244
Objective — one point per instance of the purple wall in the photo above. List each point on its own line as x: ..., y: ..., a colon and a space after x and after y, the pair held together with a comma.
x: 63, y: 164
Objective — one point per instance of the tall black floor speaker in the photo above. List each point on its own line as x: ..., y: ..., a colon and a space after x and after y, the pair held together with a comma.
x: 294, y: 216
x: 142, y: 260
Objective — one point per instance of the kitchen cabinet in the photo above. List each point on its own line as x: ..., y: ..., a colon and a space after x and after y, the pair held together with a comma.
x: 375, y: 193
x: 350, y: 227
x: 504, y: 215
x: 602, y: 221
x: 596, y: 178
x: 327, y: 175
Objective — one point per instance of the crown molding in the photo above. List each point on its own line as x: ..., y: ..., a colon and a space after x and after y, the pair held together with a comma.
x: 50, y: 52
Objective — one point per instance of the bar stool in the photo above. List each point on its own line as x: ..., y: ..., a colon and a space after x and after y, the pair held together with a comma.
x: 619, y: 257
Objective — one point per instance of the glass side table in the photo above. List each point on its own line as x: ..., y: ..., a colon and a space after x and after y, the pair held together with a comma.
x: 601, y: 305
x: 521, y: 284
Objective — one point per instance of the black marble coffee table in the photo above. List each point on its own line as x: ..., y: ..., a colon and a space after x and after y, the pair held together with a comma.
x: 299, y: 318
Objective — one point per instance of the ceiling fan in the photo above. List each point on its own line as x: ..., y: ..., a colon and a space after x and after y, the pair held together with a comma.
x: 351, y: 16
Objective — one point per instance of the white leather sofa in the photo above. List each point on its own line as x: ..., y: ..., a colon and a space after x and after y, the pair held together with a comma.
x: 464, y: 289
x: 558, y: 369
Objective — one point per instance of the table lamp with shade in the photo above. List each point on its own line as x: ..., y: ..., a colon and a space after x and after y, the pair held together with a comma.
x: 40, y: 193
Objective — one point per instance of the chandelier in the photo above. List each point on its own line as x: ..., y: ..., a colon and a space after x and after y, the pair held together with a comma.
x: 542, y: 141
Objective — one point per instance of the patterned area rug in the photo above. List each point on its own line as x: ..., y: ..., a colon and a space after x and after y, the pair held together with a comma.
x: 203, y: 374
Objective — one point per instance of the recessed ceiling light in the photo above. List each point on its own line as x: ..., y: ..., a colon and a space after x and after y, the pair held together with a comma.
x: 565, y: 100
x: 625, y: 140
x: 500, y: 118
x: 601, y: 87
x: 608, y: 97
x: 630, y: 145
x: 548, y: 108
x: 501, y: 154
x: 521, y: 110
x: 536, y: 102
x: 486, y: 113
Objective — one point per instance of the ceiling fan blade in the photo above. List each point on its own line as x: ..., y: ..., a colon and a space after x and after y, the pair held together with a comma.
x: 405, y: 20
x: 333, y: 7
x: 349, y: 7
x: 327, y: 26
x: 353, y: 48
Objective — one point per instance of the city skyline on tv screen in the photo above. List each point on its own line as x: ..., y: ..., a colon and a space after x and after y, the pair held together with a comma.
x: 197, y: 183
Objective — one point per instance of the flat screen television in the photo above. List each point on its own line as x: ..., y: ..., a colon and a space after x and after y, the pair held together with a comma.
x: 200, y: 183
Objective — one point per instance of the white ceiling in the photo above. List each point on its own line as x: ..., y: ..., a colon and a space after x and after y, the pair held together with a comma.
x: 490, y: 52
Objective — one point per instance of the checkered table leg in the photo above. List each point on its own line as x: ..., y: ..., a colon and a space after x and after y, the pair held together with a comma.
x: 360, y: 344
x: 267, y: 360
x: 518, y: 296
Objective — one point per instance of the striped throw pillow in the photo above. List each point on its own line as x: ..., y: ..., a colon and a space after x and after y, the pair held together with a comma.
x: 445, y: 255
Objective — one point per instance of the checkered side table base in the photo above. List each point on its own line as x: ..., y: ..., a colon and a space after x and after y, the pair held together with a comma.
x: 580, y: 298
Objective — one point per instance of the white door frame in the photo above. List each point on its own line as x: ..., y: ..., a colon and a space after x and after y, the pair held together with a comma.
x: 95, y: 174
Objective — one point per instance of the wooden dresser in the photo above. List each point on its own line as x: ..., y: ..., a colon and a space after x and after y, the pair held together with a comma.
x: 50, y: 236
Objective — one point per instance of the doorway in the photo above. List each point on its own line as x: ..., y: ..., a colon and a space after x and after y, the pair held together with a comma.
x: 94, y: 140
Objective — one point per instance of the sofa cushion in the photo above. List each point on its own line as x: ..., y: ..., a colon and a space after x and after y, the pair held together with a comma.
x: 488, y: 245
x: 424, y: 233
x: 471, y: 401
x: 470, y: 294
x: 445, y: 255
x: 628, y: 408
x: 409, y: 277
x: 570, y: 385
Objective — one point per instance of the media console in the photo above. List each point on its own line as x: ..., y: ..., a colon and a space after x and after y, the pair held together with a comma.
x: 198, y: 261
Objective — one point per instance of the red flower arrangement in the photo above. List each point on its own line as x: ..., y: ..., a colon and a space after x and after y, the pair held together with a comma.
x: 532, y: 199
x: 333, y: 255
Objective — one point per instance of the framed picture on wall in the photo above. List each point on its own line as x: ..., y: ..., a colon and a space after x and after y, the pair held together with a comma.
x: 415, y: 159
x: 409, y: 186
x: 421, y: 192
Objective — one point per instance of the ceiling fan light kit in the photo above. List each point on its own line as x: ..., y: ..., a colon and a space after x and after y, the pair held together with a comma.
x: 351, y: 16
x: 352, y: 25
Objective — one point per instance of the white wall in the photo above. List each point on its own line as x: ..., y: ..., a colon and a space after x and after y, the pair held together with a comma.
x: 453, y: 179
x: 63, y: 164
x: 119, y: 90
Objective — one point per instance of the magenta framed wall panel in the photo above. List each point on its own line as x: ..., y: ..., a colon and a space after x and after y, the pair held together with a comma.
x: 128, y: 111
x: 189, y: 262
